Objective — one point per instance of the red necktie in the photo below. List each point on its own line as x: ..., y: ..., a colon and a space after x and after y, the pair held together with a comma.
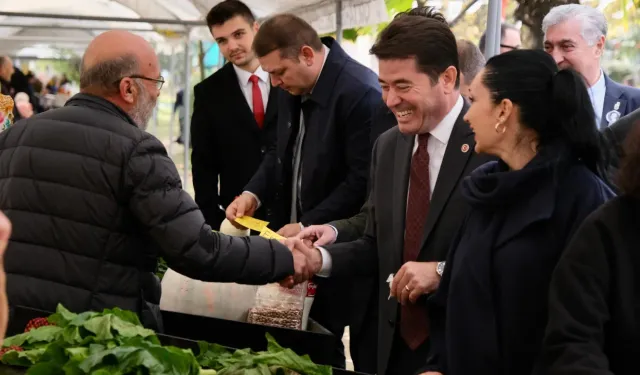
x: 414, y: 324
x: 258, y: 106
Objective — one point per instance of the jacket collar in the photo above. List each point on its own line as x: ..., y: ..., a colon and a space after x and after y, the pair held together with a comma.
x: 337, y: 58
x: 101, y: 104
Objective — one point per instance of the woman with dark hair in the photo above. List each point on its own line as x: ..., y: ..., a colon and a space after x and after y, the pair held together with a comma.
x: 594, y: 320
x: 489, y: 313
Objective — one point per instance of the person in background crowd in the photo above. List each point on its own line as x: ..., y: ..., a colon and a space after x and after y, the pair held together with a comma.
x: 489, y: 313
x: 615, y: 137
x: 95, y: 200
x: 6, y: 72
x: 235, y: 115
x: 575, y: 36
x: 414, y: 207
x: 509, y: 39
x: 594, y: 321
x: 471, y: 62
x: 23, y: 106
x: 53, y: 85
x: 303, y: 181
x: 5, y: 234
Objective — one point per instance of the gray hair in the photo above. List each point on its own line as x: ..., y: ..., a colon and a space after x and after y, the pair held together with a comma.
x: 104, y: 75
x: 594, y: 23
x: 470, y: 58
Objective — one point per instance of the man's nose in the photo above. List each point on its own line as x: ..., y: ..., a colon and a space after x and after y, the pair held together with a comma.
x: 392, y: 99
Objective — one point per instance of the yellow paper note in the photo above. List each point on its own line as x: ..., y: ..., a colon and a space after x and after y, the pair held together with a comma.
x: 268, y: 233
x: 252, y: 223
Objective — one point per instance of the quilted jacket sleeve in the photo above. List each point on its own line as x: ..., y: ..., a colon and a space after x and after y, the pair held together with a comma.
x: 171, y: 218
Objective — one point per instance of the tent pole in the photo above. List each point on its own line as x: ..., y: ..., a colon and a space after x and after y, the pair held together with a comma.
x: 186, y: 97
x: 339, y: 21
x: 494, y: 17
x: 174, y: 91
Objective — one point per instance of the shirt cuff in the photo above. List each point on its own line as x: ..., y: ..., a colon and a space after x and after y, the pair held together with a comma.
x: 335, y: 230
x: 325, y: 270
x: 255, y: 196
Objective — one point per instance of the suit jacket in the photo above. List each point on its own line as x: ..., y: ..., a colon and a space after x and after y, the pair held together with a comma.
x: 227, y: 142
x: 615, y: 136
x: 336, y: 151
x: 620, y: 98
x: 379, y: 251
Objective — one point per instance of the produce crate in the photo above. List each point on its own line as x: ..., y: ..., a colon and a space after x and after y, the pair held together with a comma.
x: 217, y: 331
x: 316, y: 341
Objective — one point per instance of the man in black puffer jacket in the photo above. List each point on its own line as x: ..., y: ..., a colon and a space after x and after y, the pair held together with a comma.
x: 94, y: 199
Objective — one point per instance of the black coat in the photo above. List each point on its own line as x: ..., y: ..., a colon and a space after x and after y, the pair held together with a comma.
x: 94, y: 200
x: 615, y: 137
x: 227, y: 142
x: 594, y: 321
x: 489, y: 313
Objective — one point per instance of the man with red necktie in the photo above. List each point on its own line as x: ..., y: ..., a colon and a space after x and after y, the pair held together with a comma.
x: 234, y: 117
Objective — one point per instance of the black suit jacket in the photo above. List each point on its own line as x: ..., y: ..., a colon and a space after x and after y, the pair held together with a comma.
x: 336, y: 150
x: 615, y: 137
x: 620, y: 98
x: 379, y: 251
x: 227, y: 142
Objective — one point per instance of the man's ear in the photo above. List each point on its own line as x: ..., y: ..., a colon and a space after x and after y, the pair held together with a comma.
x: 448, y: 78
x: 128, y: 90
x: 307, y: 54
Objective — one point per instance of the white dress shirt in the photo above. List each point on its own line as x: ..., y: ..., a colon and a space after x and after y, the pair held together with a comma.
x: 247, y: 86
x: 436, y: 146
x: 597, y: 93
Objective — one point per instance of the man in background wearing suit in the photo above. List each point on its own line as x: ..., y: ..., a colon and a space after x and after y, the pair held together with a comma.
x: 615, y: 137
x: 414, y: 207
x: 317, y: 170
x: 575, y: 36
x: 234, y: 116
x: 471, y: 62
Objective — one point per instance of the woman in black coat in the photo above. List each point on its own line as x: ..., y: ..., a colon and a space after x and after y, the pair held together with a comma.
x: 594, y: 319
x: 489, y: 313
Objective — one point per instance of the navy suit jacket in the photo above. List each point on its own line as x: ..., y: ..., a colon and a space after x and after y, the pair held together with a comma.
x: 625, y: 98
x: 336, y: 151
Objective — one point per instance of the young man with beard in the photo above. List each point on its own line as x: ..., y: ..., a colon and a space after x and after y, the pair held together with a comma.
x: 95, y: 200
x: 574, y: 35
x: 234, y: 115
x: 415, y: 207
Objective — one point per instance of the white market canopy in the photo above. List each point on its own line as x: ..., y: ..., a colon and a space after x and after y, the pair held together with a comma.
x: 28, y: 23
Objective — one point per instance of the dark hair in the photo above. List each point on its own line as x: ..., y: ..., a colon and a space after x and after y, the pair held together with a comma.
x: 421, y: 34
x: 37, y: 86
x: 555, y: 104
x: 226, y: 10
x: 471, y: 60
x: 503, y: 30
x: 628, y: 177
x: 285, y: 33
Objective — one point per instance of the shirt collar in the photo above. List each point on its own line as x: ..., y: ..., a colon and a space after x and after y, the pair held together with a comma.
x: 600, y: 84
x: 243, y: 75
x: 324, y: 61
x: 442, y: 131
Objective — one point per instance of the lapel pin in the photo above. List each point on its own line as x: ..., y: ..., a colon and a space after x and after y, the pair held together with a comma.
x: 613, y: 115
x: 464, y: 148
x: 289, y: 124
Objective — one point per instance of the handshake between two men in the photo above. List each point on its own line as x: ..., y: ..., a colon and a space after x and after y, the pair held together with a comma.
x: 412, y: 280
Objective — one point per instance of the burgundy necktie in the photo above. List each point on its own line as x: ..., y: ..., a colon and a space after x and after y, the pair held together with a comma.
x: 258, y: 105
x: 414, y: 324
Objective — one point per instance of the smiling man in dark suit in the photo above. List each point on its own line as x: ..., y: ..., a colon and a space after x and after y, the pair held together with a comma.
x: 234, y: 116
x: 415, y: 206
x: 317, y: 171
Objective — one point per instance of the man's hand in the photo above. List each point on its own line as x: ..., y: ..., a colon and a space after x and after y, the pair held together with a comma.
x: 307, y: 262
x: 244, y: 205
x: 413, y: 280
x: 319, y: 235
x: 290, y: 230
x: 5, y: 233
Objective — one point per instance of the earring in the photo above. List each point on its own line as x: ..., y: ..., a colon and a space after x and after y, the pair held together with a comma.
x: 504, y: 129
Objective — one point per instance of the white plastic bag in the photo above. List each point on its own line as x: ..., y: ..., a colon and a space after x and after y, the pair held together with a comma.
x: 216, y: 300
x: 279, y: 307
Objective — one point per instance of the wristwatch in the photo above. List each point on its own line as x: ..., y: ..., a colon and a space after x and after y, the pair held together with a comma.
x: 440, y: 268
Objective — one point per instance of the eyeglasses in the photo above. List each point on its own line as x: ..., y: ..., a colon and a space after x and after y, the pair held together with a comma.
x: 159, y: 81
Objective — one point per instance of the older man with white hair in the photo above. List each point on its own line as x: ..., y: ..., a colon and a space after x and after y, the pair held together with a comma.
x: 575, y: 36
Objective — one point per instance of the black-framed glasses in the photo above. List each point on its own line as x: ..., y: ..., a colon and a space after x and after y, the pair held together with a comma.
x: 159, y: 81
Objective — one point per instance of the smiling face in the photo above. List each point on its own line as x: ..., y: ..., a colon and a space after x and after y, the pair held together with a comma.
x: 566, y: 44
x: 483, y: 116
x: 418, y: 104
x: 234, y: 37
